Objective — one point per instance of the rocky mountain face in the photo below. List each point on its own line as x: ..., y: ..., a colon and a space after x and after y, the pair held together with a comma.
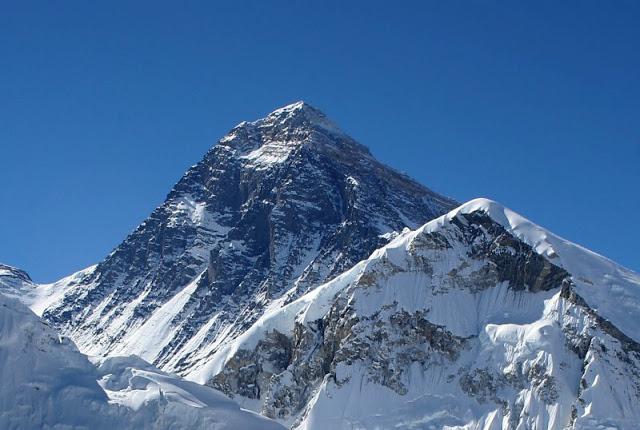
x: 277, y: 207
x: 477, y: 320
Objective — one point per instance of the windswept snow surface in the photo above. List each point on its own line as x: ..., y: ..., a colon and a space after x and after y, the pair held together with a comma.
x: 47, y: 383
x: 137, y: 385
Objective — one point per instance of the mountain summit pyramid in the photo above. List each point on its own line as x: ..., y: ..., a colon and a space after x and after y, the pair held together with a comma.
x: 277, y: 207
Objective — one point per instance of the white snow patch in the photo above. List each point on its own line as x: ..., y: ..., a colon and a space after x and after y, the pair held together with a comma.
x: 148, y: 340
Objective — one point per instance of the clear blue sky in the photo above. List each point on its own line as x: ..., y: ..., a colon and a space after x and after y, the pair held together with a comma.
x: 103, y: 107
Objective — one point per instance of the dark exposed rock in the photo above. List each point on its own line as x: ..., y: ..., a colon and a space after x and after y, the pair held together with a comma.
x: 628, y: 345
x: 245, y: 375
x: 482, y: 385
x: 513, y: 260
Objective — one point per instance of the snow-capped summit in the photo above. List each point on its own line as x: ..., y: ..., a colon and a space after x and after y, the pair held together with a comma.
x: 611, y: 289
x: 302, y: 112
x: 14, y: 282
x: 282, y: 133
x: 277, y: 207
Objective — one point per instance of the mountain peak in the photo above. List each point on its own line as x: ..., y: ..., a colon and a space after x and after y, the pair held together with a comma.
x: 299, y: 108
x: 270, y: 140
x: 299, y: 114
x: 277, y: 207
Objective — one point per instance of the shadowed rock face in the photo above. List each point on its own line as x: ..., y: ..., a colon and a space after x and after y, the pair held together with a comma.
x: 284, y: 371
x: 512, y: 260
x: 278, y: 206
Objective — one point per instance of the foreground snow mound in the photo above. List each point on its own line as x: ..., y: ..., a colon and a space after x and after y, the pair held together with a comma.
x: 478, y: 320
x: 140, y: 386
x: 45, y: 380
x: 47, y: 383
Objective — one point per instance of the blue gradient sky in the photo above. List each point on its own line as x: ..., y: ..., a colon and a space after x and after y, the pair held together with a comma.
x: 102, y: 108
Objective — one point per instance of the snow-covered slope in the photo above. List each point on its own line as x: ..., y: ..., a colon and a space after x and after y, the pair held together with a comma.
x: 478, y: 320
x: 277, y: 207
x: 45, y: 382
